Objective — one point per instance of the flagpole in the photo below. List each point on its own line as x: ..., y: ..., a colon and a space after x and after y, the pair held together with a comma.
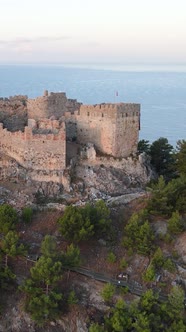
x: 116, y: 95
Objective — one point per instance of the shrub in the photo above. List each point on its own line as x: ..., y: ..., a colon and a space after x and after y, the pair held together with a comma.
x: 169, y: 265
x: 8, y: 218
x: 158, y: 259
x: 72, y: 298
x: 27, y: 214
x: 108, y: 292
x: 175, y: 225
x: 111, y: 258
x: 138, y: 233
x: 81, y: 223
x: 149, y: 274
x: 123, y: 263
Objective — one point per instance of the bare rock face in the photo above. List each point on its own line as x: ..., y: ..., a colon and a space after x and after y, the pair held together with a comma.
x: 88, y: 152
x: 13, y: 113
x: 16, y: 320
x: 103, y: 179
x: 113, y: 176
x: 88, y: 176
x: 180, y: 246
x: 76, y: 323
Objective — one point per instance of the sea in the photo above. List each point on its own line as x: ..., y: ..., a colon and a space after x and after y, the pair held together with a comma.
x: 161, y: 90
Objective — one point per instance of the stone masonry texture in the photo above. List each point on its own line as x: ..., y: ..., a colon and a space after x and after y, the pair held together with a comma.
x: 34, y: 131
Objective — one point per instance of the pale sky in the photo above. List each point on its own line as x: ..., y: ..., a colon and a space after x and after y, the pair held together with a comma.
x: 96, y: 31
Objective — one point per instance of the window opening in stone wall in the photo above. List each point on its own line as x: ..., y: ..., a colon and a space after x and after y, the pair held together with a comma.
x: 43, y: 141
x: 136, y: 113
x: 102, y: 115
x: 88, y: 113
x: 126, y: 115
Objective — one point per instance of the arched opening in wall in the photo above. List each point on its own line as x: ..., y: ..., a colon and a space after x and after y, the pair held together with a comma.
x: 102, y: 115
x: 88, y: 113
x: 126, y: 115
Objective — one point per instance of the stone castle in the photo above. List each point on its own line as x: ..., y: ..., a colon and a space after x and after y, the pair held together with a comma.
x: 35, y: 132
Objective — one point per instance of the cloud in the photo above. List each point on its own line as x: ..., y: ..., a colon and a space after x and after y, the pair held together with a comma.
x: 41, y: 39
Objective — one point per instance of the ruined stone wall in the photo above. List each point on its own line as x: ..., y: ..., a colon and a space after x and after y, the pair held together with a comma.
x: 13, y: 112
x: 113, y: 128
x: 37, y: 152
x: 51, y: 105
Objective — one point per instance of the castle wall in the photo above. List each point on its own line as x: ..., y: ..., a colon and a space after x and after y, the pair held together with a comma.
x: 127, y: 130
x: 96, y: 127
x: 41, y: 147
x: 51, y: 105
x: 37, y: 152
x: 113, y: 128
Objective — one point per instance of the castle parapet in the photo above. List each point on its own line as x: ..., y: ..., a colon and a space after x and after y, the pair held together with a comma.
x: 109, y: 110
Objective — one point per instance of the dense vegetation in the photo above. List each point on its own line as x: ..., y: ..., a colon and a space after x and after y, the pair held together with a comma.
x: 164, y: 159
x: 43, y: 299
x: 168, y: 199
x: 44, y: 296
x: 79, y: 224
x: 148, y: 314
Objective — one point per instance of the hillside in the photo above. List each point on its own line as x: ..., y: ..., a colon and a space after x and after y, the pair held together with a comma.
x: 94, y: 257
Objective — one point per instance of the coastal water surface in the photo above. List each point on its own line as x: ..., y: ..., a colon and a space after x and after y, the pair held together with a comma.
x: 161, y: 93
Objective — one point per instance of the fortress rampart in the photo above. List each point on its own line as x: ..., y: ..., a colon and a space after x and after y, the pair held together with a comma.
x: 112, y: 128
x: 52, y: 119
x: 38, y: 152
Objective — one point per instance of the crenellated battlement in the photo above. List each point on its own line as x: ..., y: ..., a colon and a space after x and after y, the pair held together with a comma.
x: 28, y: 134
x: 110, y: 110
x: 98, y: 107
